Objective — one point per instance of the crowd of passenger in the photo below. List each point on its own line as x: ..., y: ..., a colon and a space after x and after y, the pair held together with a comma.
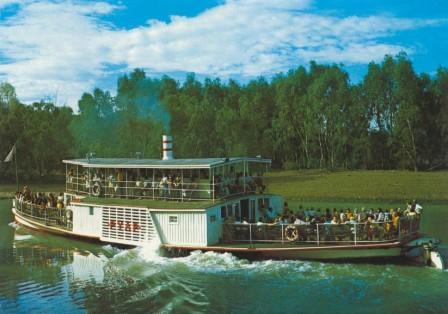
x: 341, y: 216
x: 165, y: 185
x: 40, y: 199
x: 228, y: 185
x: 47, y: 207
x: 338, y: 224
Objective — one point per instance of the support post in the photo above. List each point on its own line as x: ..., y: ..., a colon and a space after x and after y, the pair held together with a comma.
x: 77, y: 179
x: 212, y: 172
x: 15, y: 161
x: 66, y: 178
x: 182, y: 185
x: 355, y: 226
x: 244, y: 176
x: 88, y: 180
x: 126, y: 185
x: 250, y: 234
x: 317, y: 230
x: 153, y: 184
x: 283, y: 239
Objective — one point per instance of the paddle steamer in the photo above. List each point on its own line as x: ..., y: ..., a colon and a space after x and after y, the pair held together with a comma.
x: 207, y: 204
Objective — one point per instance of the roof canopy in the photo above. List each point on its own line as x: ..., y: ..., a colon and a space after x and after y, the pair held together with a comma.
x: 196, y: 163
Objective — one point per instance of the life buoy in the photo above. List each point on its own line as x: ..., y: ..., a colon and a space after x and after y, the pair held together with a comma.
x: 291, y: 233
x: 96, y: 190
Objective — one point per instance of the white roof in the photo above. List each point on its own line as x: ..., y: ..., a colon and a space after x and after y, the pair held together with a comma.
x: 193, y: 163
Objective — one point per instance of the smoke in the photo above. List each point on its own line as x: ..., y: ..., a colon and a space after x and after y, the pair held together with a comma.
x: 147, y: 95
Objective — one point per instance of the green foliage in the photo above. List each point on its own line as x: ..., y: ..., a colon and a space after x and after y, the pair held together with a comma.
x: 41, y: 134
x: 303, y: 119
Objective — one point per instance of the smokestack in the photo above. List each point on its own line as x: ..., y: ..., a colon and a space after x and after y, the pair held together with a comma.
x: 167, y: 141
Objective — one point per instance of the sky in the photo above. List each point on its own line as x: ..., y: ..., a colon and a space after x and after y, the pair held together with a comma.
x: 56, y: 49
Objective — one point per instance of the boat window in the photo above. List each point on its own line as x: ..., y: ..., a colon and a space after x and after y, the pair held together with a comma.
x: 260, y: 203
x: 252, y: 210
x: 229, y: 210
x: 172, y: 220
x: 223, y: 212
x: 266, y: 202
x: 91, y: 210
x: 236, y: 207
x: 212, y: 218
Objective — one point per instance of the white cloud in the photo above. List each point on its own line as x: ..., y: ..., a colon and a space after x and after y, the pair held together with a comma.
x: 63, y: 48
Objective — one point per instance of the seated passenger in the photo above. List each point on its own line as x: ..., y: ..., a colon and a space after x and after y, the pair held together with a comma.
x: 342, y: 216
x: 299, y: 221
x: 380, y: 215
x: 335, y: 220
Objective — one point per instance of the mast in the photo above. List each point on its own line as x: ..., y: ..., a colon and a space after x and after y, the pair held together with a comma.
x: 15, y: 161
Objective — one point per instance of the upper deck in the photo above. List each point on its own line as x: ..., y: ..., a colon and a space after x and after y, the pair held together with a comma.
x: 174, y: 179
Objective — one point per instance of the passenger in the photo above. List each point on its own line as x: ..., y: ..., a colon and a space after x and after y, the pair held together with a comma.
x: 380, y: 216
x: 335, y: 220
x: 177, y: 186
x: 369, y: 229
x: 342, y: 216
x: 396, y: 221
x: 286, y: 210
x: 163, y: 186
x: 328, y: 215
x: 170, y: 184
x: 299, y: 221
x: 258, y: 181
x: 418, y: 209
x: 252, y: 187
x: 138, y: 186
x: 349, y: 214
x: 271, y: 213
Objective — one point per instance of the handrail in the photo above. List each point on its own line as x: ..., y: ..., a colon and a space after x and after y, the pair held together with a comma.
x: 355, y: 233
x: 156, y: 189
x: 50, y: 216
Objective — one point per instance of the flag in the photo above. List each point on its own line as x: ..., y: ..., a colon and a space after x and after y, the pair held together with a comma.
x: 11, y: 154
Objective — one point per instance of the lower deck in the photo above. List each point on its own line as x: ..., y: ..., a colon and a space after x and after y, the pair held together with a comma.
x: 209, y: 229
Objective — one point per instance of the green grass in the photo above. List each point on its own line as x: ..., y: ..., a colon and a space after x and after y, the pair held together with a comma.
x: 148, y: 203
x: 392, y: 186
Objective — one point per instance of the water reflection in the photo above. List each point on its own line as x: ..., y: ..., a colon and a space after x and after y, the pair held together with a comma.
x: 46, y: 273
x: 34, y: 275
x: 39, y: 271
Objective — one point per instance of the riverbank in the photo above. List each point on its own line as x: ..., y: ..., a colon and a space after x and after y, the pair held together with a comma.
x: 360, y: 185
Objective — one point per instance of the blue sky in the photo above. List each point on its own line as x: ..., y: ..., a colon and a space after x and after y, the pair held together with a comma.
x: 59, y: 49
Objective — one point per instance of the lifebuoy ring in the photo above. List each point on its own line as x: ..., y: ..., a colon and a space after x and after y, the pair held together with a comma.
x: 291, y: 233
x: 96, y: 190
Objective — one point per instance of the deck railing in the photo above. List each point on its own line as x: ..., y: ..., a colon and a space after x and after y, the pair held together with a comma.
x: 49, y: 216
x: 184, y: 190
x: 321, y: 233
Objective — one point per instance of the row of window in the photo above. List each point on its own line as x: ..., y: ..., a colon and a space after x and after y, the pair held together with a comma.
x: 229, y: 210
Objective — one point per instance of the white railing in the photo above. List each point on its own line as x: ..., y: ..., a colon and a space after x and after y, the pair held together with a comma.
x: 184, y: 190
x: 322, y: 233
x: 50, y: 216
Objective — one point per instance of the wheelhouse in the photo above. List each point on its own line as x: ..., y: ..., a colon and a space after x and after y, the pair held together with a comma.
x: 172, y: 179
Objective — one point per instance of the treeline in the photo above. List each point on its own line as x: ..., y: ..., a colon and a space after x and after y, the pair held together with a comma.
x: 307, y: 118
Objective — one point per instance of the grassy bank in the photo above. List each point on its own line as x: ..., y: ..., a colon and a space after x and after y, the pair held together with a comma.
x: 389, y: 186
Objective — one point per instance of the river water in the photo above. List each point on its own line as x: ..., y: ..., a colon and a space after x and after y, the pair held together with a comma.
x: 46, y: 273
